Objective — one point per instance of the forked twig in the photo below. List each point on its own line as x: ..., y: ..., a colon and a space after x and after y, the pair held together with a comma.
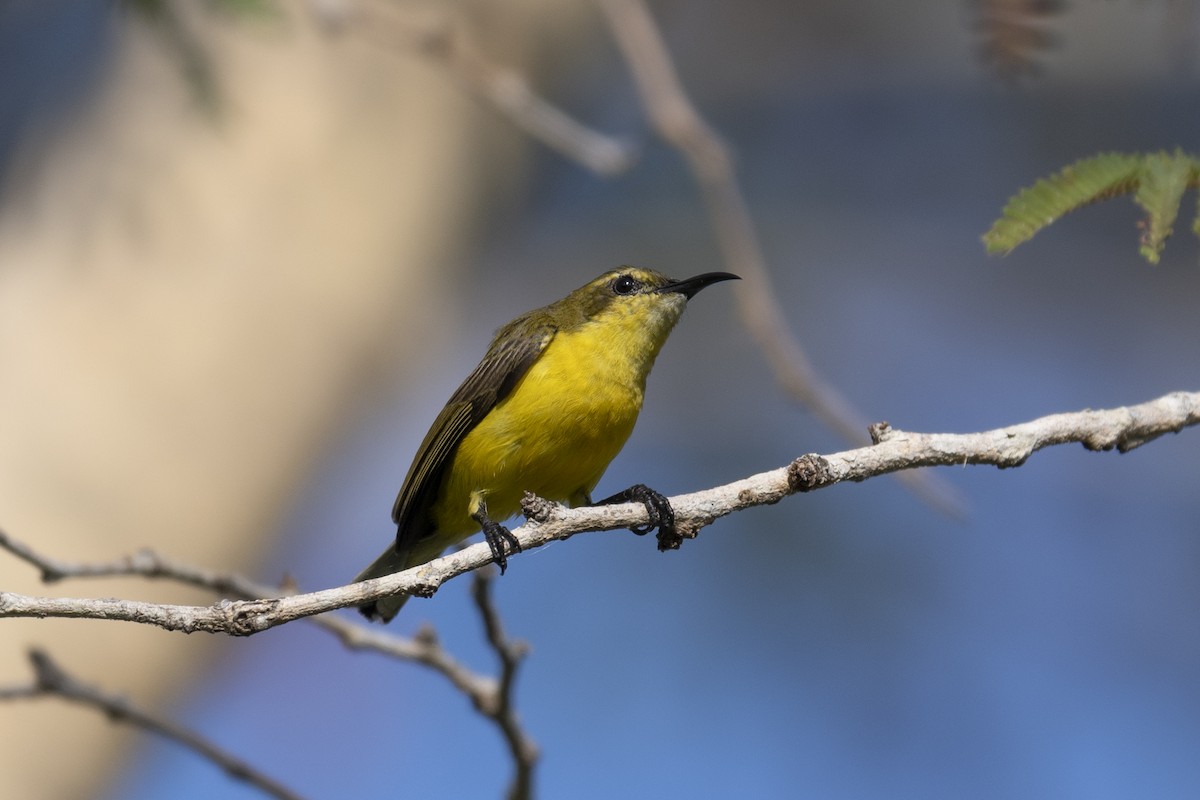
x: 51, y: 680
x: 675, y: 118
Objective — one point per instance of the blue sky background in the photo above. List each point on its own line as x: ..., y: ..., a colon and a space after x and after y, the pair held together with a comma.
x: 851, y: 643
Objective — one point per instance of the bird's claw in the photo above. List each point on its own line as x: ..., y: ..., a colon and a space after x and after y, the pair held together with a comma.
x: 500, y: 541
x: 659, y: 511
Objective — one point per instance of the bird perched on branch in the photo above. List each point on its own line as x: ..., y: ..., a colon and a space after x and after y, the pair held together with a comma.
x: 550, y: 405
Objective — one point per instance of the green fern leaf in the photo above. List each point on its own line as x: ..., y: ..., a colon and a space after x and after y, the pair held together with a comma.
x: 1086, y: 181
x: 1156, y: 180
x: 1164, y: 177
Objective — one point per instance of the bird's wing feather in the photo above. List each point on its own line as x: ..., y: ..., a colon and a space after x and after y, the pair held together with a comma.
x: 506, y: 361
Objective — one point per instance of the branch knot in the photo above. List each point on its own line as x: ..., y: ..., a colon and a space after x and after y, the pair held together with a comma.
x: 247, y: 617
x: 538, y: 509
x: 809, y: 472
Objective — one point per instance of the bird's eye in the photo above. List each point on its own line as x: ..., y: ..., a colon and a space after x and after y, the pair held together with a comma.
x: 625, y: 284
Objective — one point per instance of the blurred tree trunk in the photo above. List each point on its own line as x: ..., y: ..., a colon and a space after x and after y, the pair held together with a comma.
x: 190, y: 308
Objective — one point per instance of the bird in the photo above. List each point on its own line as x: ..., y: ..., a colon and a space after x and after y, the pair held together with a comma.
x: 552, y: 402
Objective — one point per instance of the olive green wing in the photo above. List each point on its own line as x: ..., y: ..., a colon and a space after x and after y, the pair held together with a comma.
x: 506, y: 361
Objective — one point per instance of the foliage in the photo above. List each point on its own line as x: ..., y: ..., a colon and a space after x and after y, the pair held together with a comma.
x: 1156, y: 180
x: 1015, y: 34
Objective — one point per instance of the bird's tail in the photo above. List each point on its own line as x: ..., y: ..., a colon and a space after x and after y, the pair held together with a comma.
x: 387, y: 563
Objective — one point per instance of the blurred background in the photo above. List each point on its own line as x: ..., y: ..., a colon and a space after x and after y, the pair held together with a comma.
x: 245, y: 258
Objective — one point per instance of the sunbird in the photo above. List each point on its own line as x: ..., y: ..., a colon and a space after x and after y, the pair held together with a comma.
x: 550, y: 405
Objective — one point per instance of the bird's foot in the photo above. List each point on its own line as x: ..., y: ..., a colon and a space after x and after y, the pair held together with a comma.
x: 500, y: 541
x: 658, y: 509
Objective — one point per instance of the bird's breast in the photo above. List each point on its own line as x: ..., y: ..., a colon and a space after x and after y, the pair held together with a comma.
x: 556, y: 431
x: 577, y: 403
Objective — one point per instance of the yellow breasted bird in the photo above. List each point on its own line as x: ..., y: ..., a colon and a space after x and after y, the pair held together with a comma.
x: 549, y: 406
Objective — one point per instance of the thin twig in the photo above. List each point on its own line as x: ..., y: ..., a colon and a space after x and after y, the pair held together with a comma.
x: 51, y: 680
x: 490, y: 696
x: 510, y: 653
x: 423, y: 649
x: 442, y: 37
x: 1120, y: 428
x: 676, y: 120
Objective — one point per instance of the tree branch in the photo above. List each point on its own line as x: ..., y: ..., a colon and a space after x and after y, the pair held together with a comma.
x: 491, y: 697
x: 676, y: 120
x: 443, y: 38
x: 1121, y: 428
x: 51, y: 680
x: 510, y: 653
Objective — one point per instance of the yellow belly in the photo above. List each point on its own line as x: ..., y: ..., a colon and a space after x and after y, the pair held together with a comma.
x: 554, y: 435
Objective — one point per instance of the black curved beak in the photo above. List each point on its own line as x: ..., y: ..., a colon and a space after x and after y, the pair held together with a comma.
x: 688, y: 287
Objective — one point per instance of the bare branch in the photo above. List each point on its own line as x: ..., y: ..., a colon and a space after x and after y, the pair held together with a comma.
x: 51, y: 680
x: 680, y: 125
x: 490, y: 697
x: 1120, y: 428
x: 443, y: 38
x: 483, y: 691
x: 145, y: 564
x: 524, y: 752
